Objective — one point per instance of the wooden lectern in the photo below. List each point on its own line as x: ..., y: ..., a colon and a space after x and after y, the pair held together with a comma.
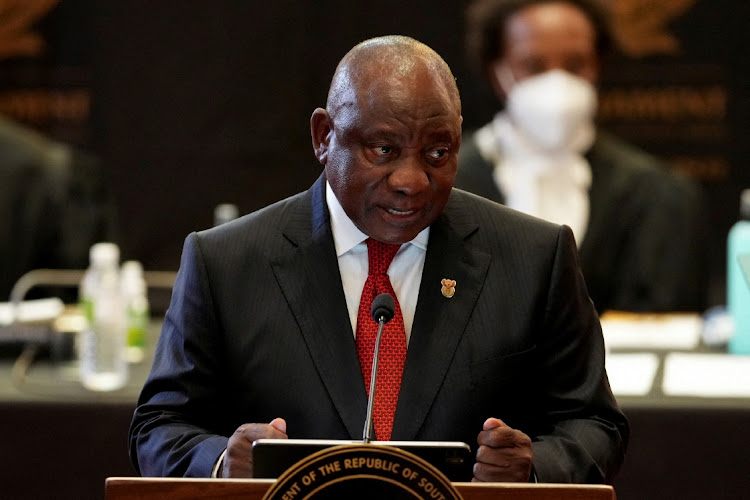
x: 134, y: 488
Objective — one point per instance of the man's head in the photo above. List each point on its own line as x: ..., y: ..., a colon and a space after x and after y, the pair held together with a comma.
x: 511, y: 40
x: 389, y: 136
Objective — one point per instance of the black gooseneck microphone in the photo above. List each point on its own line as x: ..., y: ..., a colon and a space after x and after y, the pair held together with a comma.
x: 383, y: 309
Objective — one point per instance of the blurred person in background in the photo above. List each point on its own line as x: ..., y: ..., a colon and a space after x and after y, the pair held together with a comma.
x: 638, y: 225
x: 54, y: 204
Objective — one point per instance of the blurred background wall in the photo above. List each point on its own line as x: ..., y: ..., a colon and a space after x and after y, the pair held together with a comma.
x: 189, y: 104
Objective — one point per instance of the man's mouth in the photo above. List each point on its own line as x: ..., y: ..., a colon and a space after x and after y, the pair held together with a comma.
x: 399, y: 212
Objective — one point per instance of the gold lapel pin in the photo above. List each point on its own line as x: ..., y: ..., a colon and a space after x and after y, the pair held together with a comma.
x: 449, y: 287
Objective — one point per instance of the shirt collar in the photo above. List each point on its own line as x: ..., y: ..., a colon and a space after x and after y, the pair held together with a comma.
x: 347, y: 236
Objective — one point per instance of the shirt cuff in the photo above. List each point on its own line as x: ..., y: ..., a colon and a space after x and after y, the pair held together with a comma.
x: 218, y: 464
x: 532, y: 478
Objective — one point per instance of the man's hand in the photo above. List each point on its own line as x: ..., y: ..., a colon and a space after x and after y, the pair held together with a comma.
x: 238, y: 460
x: 504, y: 454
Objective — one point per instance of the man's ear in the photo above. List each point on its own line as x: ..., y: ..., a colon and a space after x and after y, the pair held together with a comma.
x: 321, y: 127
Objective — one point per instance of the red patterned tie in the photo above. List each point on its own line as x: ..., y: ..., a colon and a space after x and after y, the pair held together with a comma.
x: 392, y: 344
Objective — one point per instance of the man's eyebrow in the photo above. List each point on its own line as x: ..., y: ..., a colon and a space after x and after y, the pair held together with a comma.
x: 442, y: 133
x: 380, y: 134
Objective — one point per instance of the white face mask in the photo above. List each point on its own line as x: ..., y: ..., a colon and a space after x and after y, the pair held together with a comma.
x: 554, y: 110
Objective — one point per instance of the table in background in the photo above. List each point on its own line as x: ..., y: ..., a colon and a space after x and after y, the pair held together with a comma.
x: 685, y: 448
x: 60, y: 440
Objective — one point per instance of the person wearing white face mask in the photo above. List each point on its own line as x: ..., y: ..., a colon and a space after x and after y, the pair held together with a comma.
x: 639, y: 226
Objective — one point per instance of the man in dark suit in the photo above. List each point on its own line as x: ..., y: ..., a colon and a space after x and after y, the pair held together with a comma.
x: 507, y: 356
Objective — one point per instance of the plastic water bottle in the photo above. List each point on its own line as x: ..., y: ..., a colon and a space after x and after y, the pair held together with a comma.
x: 135, y: 298
x: 738, y: 287
x: 102, y: 357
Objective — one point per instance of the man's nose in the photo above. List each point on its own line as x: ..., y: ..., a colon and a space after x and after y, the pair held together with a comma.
x: 409, y: 176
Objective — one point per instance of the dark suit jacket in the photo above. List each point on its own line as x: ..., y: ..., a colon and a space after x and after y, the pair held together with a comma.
x: 644, y: 248
x: 258, y: 328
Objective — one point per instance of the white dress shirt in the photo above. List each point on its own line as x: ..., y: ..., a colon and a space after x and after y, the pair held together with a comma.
x: 552, y: 186
x: 405, y: 272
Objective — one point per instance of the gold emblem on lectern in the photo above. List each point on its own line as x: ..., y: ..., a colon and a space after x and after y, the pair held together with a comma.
x: 641, y: 27
x: 344, y: 471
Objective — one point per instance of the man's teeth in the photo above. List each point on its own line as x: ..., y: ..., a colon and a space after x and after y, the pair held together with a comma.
x: 396, y: 211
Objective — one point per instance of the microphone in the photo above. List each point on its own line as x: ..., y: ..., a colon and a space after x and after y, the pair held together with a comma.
x: 383, y: 309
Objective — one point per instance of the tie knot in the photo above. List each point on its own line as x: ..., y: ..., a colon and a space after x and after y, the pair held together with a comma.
x: 379, y: 256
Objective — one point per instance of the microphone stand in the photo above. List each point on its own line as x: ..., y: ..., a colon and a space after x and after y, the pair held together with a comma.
x: 368, y: 430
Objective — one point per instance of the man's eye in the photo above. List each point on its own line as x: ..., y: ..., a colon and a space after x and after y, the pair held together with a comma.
x: 437, y: 153
x: 383, y: 150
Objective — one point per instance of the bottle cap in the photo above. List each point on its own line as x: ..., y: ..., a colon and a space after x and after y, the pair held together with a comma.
x: 745, y: 204
x: 104, y: 253
x: 132, y: 268
x: 224, y: 213
x: 131, y: 275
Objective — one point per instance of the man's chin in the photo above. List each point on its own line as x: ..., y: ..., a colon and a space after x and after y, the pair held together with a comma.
x: 396, y: 229
x: 397, y: 237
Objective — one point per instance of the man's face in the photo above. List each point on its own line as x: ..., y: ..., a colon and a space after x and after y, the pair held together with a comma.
x: 549, y: 36
x: 390, y: 153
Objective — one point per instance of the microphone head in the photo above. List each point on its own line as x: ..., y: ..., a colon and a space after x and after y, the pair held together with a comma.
x: 383, y: 307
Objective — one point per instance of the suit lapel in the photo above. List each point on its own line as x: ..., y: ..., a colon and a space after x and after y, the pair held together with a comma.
x: 439, y: 322
x: 308, y: 275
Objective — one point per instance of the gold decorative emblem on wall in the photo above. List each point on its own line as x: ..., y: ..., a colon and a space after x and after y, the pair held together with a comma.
x: 641, y: 27
x: 17, y: 20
